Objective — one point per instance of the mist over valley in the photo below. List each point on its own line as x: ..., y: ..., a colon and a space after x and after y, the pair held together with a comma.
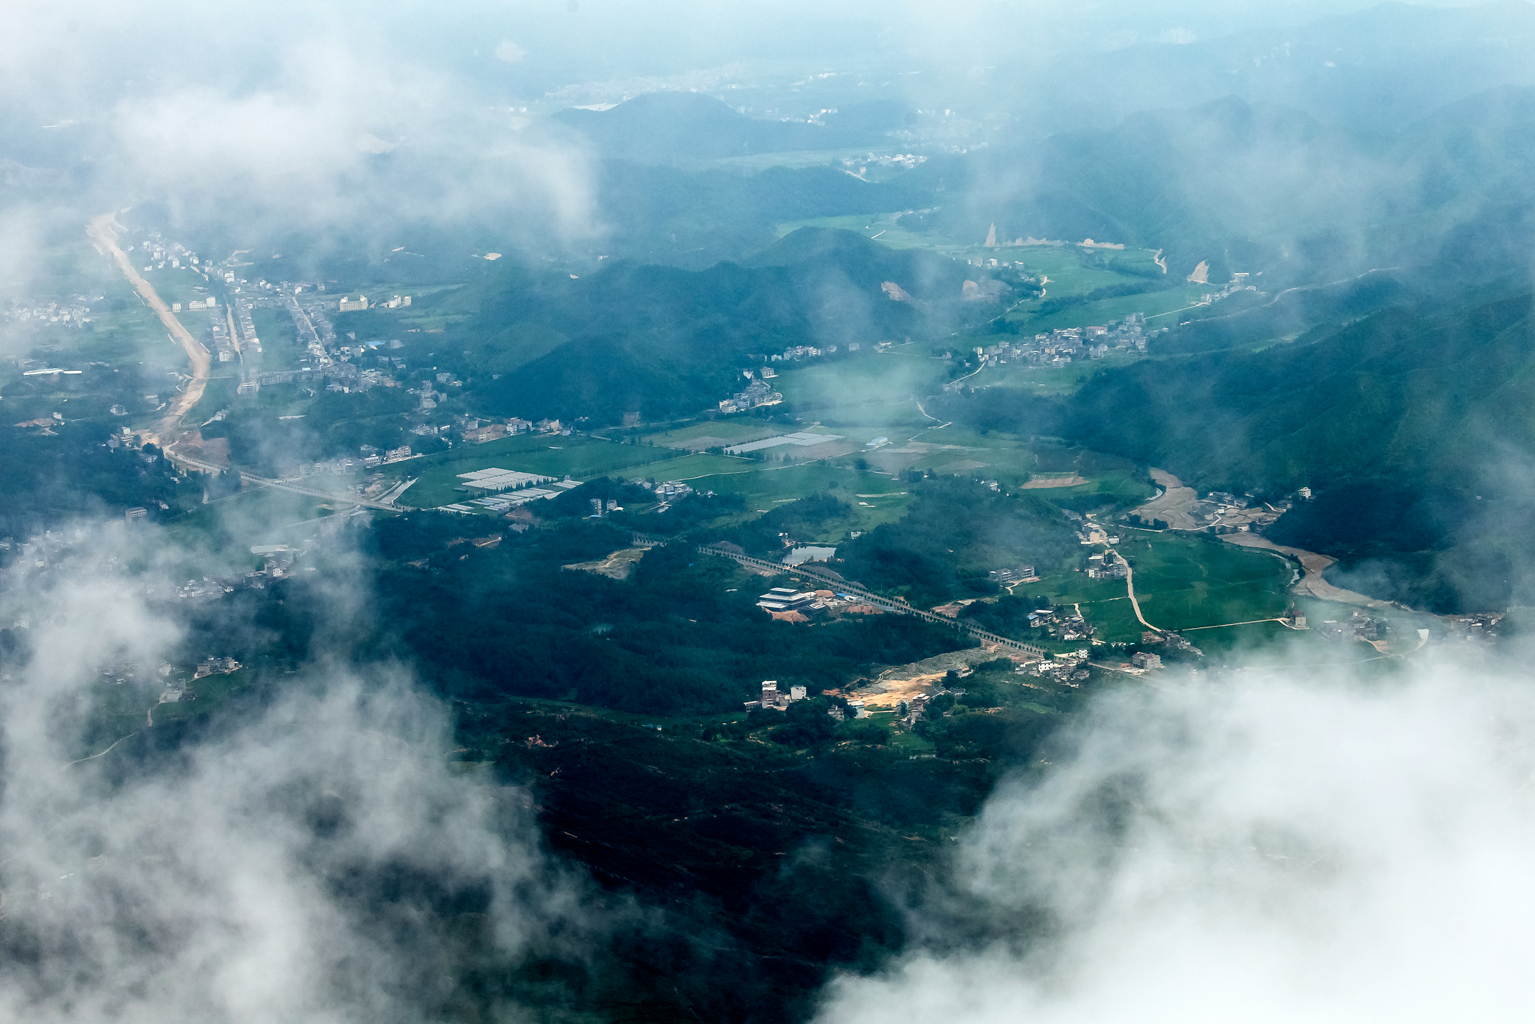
x: 591, y: 512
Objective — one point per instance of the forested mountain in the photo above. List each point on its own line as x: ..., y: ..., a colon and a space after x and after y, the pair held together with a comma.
x: 667, y: 342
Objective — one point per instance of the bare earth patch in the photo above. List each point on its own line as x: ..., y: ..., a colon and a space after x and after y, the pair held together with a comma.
x: 1312, y: 583
x: 616, y: 566
x: 1043, y: 482
x: 1173, y: 505
x: 906, y: 681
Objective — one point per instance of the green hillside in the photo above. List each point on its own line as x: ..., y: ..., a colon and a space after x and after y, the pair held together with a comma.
x: 667, y: 342
x: 1408, y: 424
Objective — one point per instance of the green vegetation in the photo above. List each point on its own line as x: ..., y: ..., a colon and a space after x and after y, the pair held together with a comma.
x: 577, y: 456
x: 1181, y: 582
x: 955, y: 533
x: 1389, y: 420
x: 868, y: 390
x: 280, y: 348
x: 509, y: 621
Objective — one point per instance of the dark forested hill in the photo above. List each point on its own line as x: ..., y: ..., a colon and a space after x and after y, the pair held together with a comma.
x: 694, y: 219
x: 666, y: 342
x: 1414, y: 428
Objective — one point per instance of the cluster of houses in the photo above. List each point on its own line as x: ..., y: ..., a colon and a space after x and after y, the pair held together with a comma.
x: 371, y: 457
x: 1008, y: 577
x: 1476, y: 628
x: 909, y: 712
x: 757, y: 393
x: 773, y: 699
x: 1111, y: 565
x: 1061, y: 346
x: 1174, y: 641
x: 1225, y: 512
x: 216, y: 667
x: 798, y: 352
x: 478, y: 430
x: 1068, y: 668
x: 1238, y: 283
x: 75, y: 313
x: 1357, y: 626
x: 159, y: 251
x: 1061, y: 624
x: 859, y: 166
x: 667, y: 492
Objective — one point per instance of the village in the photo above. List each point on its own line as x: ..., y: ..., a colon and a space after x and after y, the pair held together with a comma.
x: 1059, y: 347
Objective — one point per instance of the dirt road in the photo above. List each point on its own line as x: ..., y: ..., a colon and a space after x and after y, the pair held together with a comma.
x: 103, y: 233
x: 1130, y: 589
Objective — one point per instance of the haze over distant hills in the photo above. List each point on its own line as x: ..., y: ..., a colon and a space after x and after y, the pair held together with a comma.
x: 772, y: 514
x: 673, y: 127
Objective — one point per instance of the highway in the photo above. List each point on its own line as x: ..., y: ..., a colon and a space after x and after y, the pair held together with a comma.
x: 885, y: 603
x: 283, y: 485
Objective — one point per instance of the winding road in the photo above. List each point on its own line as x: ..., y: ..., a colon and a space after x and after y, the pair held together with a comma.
x: 103, y: 232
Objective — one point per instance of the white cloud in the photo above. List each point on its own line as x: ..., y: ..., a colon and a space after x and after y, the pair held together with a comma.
x: 1256, y: 850
x: 509, y: 52
x: 294, y: 867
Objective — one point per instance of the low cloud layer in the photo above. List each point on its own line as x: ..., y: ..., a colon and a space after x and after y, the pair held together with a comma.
x: 334, y: 122
x: 1254, y: 849
x: 318, y: 861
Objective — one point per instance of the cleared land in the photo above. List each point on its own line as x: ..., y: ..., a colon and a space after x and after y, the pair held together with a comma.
x: 906, y: 681
x: 103, y: 231
x: 1173, y: 505
x: 1312, y: 584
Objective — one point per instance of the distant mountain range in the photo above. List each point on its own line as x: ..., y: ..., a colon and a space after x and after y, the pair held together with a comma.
x: 683, y: 127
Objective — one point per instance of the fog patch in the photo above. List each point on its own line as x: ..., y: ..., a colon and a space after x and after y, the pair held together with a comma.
x: 315, y: 857
x: 1253, y: 849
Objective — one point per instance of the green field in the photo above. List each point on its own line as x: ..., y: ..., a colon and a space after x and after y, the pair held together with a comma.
x: 731, y: 431
x: 280, y: 349
x: 181, y: 285
x: 1157, y: 305
x: 882, y: 226
x: 578, y: 456
x: 872, y: 498
x: 1066, y: 270
x: 1049, y: 380
x: 1181, y: 583
x: 131, y: 334
x: 874, y: 390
